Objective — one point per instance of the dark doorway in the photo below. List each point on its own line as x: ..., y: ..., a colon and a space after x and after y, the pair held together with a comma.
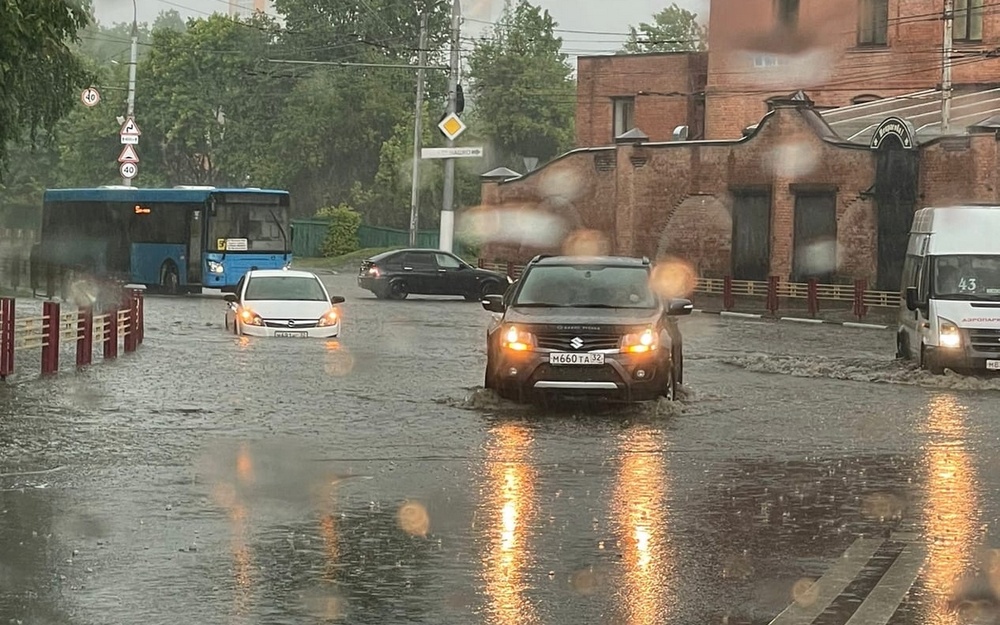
x: 895, y: 196
x: 815, y: 254
x: 751, y: 255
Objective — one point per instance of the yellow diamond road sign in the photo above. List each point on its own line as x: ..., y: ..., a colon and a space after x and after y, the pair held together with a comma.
x: 452, y: 127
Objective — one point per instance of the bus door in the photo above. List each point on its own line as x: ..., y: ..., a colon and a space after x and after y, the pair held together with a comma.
x: 195, y: 245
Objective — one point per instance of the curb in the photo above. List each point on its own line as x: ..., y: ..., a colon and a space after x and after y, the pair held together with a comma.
x: 755, y: 316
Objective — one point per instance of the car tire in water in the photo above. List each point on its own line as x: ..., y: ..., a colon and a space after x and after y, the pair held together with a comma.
x: 169, y: 280
x: 929, y: 362
x: 669, y: 390
x: 398, y: 290
x: 902, y: 349
x: 488, y: 288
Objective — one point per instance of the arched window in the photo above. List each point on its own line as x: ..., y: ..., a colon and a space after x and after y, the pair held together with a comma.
x: 865, y: 99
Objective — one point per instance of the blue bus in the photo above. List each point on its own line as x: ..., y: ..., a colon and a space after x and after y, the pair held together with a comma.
x: 171, y: 240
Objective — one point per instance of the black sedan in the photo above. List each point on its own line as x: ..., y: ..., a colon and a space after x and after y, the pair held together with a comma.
x: 397, y: 274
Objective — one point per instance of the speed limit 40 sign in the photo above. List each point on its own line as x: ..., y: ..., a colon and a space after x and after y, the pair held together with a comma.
x: 90, y: 96
x: 128, y: 170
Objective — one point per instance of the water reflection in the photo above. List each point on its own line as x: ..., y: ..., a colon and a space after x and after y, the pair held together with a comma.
x: 233, y: 498
x: 950, y: 516
x: 640, y: 511
x: 509, y: 503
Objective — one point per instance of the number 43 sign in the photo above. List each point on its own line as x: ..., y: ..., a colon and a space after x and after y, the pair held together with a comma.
x: 967, y: 284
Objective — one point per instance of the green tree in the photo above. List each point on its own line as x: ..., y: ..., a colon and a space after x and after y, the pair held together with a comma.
x: 342, y: 234
x: 522, y: 89
x: 40, y: 73
x: 674, y: 29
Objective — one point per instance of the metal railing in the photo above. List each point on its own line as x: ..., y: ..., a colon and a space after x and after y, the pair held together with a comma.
x: 773, y: 291
x: 121, y: 324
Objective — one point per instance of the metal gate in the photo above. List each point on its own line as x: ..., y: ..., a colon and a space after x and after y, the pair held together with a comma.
x: 895, y: 195
x: 751, y: 256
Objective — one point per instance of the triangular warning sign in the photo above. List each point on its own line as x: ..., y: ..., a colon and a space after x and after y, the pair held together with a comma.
x: 130, y: 128
x: 128, y: 155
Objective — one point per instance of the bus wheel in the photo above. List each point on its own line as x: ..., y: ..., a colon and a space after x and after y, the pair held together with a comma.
x: 168, y: 279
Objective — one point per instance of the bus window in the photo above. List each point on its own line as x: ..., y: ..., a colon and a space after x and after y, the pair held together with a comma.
x: 264, y: 227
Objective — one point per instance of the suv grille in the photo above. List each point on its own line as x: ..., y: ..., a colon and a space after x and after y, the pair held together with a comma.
x: 587, y: 341
x: 985, y: 341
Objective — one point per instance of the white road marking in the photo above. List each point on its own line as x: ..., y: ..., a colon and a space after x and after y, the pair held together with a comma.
x: 881, y: 603
x: 833, y: 582
x: 726, y: 313
x: 800, y: 320
x: 864, y: 326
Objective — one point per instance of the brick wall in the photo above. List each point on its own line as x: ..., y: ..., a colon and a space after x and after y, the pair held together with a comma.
x: 675, y: 198
x: 823, y: 58
x: 667, y: 84
x: 961, y: 169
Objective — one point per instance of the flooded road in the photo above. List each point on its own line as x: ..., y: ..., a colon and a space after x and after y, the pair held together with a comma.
x: 806, y: 477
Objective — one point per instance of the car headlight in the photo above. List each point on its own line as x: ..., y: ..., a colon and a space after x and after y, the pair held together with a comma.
x: 330, y: 318
x: 250, y: 317
x: 215, y: 266
x: 640, y: 342
x: 517, y: 340
x: 949, y: 334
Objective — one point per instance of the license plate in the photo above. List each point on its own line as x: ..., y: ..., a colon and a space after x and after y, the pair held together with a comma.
x: 291, y: 335
x: 993, y: 365
x: 563, y: 358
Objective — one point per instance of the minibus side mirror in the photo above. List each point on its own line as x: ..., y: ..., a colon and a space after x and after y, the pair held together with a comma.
x: 911, y: 298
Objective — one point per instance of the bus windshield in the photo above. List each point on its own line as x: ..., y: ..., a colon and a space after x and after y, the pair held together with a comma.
x: 967, y: 277
x: 263, y: 227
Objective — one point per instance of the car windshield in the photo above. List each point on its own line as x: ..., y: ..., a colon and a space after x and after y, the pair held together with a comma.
x: 565, y: 286
x: 967, y: 277
x: 284, y: 288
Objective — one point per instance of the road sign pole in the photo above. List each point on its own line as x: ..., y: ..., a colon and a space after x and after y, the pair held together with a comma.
x: 131, y: 74
x: 448, y: 205
x: 417, y: 133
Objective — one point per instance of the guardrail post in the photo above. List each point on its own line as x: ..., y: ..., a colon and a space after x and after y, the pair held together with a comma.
x: 85, y: 336
x: 50, y: 344
x: 111, y: 334
x: 510, y: 268
x: 728, y: 299
x: 6, y: 337
x: 772, y: 294
x: 131, y: 324
x: 141, y: 309
x: 480, y: 263
x: 813, y: 296
x: 860, y: 310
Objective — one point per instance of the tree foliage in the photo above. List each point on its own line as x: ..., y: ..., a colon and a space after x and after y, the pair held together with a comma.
x: 522, y: 87
x: 342, y: 233
x: 39, y: 72
x: 674, y: 29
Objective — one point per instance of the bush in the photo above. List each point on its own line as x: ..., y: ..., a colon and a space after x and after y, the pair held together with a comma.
x: 342, y: 234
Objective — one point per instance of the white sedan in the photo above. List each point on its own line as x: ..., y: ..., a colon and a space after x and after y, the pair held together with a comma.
x: 283, y: 303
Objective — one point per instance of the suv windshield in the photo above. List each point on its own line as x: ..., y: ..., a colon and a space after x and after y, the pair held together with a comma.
x: 285, y: 288
x: 586, y: 286
x: 967, y: 277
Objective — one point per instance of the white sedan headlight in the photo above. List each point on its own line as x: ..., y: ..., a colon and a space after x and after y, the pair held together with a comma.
x: 330, y: 318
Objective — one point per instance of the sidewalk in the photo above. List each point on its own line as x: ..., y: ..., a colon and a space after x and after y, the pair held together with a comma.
x: 796, y: 311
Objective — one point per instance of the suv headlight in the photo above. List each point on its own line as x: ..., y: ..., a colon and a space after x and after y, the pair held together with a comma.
x: 517, y: 340
x: 215, y: 266
x: 949, y: 334
x: 250, y: 317
x: 330, y: 318
x: 640, y: 342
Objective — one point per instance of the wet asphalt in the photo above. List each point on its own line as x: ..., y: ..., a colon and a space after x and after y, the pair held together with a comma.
x: 212, y: 479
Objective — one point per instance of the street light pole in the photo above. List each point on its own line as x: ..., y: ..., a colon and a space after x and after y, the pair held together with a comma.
x: 131, y: 72
x: 949, y: 41
x: 418, y: 133
x: 448, y: 205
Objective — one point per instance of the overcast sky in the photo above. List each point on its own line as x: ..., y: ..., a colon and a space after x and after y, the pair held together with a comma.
x: 604, y: 16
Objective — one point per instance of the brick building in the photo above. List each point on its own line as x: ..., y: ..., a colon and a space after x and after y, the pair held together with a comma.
x: 792, y: 199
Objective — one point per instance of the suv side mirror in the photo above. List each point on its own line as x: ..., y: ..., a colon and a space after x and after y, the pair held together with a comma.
x: 679, y: 307
x: 337, y: 299
x: 911, y: 298
x: 493, y: 303
x: 230, y: 297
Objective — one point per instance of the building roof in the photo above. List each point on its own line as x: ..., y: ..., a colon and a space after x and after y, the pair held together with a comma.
x: 857, y: 123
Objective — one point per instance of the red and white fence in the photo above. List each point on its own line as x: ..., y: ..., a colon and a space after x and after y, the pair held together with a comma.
x: 49, y: 332
x: 773, y: 291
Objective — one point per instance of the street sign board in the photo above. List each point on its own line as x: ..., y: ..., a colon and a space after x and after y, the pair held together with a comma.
x: 90, y: 96
x: 130, y: 128
x: 128, y: 155
x: 130, y: 139
x: 128, y: 170
x: 452, y: 126
x: 451, y: 153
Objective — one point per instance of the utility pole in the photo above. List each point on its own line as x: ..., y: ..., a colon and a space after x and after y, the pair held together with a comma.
x: 418, y: 133
x: 131, y: 73
x: 448, y: 205
x: 949, y: 38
